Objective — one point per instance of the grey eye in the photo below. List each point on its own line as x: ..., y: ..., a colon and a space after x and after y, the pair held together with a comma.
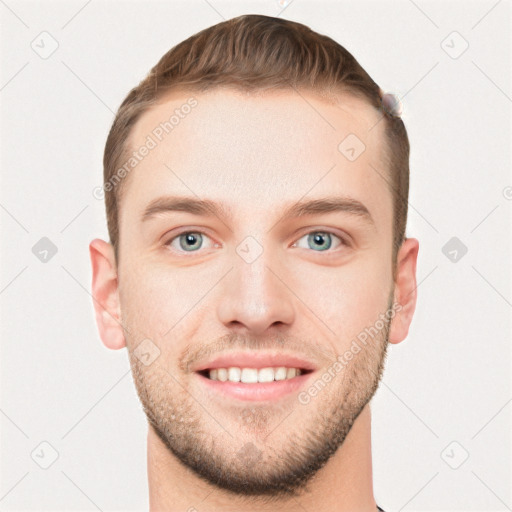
x: 319, y: 240
x: 189, y: 241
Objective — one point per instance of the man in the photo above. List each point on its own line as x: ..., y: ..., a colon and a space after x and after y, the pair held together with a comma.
x: 256, y: 193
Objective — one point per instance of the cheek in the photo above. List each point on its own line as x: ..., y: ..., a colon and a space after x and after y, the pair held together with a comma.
x: 349, y: 299
x: 166, y: 304
x: 151, y: 304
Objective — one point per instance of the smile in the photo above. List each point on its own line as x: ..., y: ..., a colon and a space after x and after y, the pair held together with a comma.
x: 253, y: 375
x: 254, y: 384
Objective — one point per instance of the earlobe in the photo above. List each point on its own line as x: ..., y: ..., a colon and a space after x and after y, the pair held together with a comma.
x: 105, y: 294
x: 405, y: 290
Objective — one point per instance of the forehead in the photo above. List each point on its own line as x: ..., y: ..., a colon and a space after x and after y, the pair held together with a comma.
x: 258, y: 150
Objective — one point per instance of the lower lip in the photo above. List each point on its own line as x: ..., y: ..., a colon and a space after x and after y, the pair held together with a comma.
x: 261, y: 391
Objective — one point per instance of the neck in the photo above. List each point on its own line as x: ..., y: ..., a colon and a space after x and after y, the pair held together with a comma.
x: 344, y: 484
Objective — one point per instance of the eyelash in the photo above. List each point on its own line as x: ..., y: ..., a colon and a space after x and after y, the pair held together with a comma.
x: 342, y: 240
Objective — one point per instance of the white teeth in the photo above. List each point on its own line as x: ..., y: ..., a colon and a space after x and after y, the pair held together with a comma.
x: 234, y: 374
x: 249, y: 375
x: 266, y: 375
x: 280, y: 373
x: 253, y: 375
x: 290, y: 373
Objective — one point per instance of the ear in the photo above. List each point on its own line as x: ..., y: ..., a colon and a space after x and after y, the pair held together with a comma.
x: 105, y: 294
x: 405, y: 290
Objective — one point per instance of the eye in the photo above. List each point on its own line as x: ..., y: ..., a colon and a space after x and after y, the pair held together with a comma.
x: 192, y: 241
x: 188, y: 241
x: 321, y: 240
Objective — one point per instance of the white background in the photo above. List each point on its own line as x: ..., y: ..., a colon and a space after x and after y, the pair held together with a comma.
x: 448, y: 382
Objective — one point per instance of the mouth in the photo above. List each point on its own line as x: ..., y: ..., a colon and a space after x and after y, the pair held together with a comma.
x: 256, y: 377
x: 253, y: 375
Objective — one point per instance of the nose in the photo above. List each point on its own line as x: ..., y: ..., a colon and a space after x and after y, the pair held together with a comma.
x: 255, y: 297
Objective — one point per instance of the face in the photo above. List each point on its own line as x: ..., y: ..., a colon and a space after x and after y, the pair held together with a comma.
x: 253, y: 282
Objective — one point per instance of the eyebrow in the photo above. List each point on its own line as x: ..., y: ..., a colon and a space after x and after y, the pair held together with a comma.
x: 208, y: 208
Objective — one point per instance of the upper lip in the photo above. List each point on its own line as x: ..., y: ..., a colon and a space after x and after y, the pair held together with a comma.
x: 253, y: 360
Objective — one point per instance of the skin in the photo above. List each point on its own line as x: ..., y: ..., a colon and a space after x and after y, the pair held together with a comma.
x: 256, y: 154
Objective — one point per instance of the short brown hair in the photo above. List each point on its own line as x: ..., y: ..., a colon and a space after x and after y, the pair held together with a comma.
x: 253, y: 53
